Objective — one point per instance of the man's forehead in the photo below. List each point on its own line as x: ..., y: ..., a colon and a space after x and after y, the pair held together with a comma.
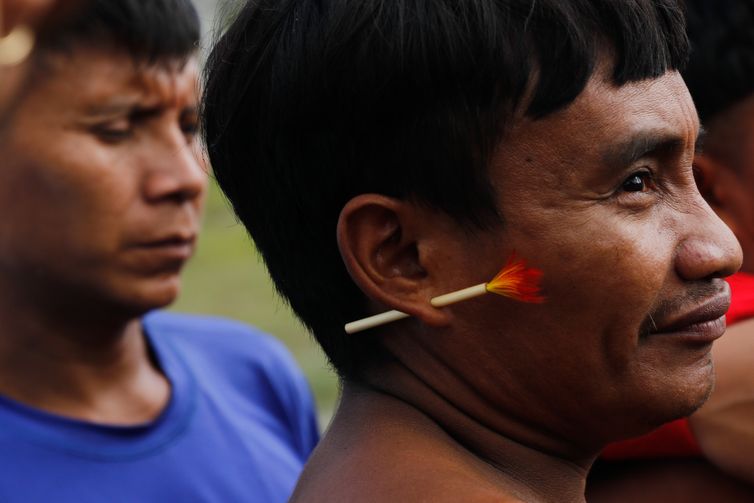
x: 662, y: 100
x: 606, y: 125
x: 93, y: 76
x: 169, y: 82
x: 605, y: 113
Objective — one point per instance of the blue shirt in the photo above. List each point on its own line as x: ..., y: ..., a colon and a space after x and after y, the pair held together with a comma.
x: 238, y: 428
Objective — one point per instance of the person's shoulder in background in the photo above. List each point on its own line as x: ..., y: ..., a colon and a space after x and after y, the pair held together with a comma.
x: 238, y: 364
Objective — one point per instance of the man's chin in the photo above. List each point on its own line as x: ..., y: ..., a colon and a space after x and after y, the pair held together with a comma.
x: 148, y: 295
x: 159, y: 298
x: 693, y: 387
x: 653, y: 395
x: 684, y: 405
x: 678, y: 395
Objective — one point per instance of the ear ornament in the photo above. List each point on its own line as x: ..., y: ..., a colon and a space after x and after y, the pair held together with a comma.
x: 17, y: 45
x: 515, y: 281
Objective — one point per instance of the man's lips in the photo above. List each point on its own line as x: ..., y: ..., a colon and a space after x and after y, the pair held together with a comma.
x: 172, y: 249
x: 174, y: 240
x: 704, y: 323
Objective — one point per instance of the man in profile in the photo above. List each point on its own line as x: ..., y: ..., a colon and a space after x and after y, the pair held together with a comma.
x: 101, y: 197
x: 712, y: 460
x: 384, y: 153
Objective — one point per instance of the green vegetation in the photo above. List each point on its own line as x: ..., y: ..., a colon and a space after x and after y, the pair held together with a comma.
x: 227, y: 278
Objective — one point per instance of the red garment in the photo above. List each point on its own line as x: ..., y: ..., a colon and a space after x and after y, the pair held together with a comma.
x: 675, y: 439
x: 742, y: 297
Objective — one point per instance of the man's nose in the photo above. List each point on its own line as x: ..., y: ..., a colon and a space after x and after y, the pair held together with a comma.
x: 176, y: 173
x: 709, y: 250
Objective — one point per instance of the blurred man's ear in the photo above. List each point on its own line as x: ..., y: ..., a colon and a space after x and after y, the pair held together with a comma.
x: 386, y: 245
x: 718, y: 183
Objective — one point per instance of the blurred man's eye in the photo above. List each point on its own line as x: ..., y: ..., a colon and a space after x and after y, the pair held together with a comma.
x: 113, y: 132
x: 190, y: 128
x: 190, y: 122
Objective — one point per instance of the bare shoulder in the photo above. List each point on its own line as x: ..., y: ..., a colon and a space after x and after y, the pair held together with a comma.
x: 737, y: 335
x: 733, y: 356
x: 723, y: 426
x: 387, y: 463
x: 395, y: 484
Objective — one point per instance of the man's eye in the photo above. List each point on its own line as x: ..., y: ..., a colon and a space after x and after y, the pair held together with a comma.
x: 112, y: 133
x: 638, y: 182
x: 190, y: 128
x: 189, y: 121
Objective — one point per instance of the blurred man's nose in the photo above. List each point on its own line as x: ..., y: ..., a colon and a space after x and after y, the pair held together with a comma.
x: 709, y: 249
x: 176, y: 173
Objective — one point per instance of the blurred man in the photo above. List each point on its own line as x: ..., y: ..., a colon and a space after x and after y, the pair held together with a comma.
x: 720, y: 77
x: 101, y: 197
x: 383, y: 153
x: 722, y: 34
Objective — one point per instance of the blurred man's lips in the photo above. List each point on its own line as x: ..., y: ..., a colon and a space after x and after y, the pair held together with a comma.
x: 705, y: 323
x: 174, y: 248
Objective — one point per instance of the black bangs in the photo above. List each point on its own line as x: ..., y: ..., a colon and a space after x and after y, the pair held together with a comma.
x: 645, y: 38
x: 150, y: 30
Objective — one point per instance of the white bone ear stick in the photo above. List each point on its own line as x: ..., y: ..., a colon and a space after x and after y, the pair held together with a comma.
x: 375, y: 321
x: 17, y: 45
x: 460, y: 295
x: 515, y: 281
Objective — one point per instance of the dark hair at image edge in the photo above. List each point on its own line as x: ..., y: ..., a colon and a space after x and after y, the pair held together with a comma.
x: 150, y: 30
x: 310, y: 103
x: 721, y: 70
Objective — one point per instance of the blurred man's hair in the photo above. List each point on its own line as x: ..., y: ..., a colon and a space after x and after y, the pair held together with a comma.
x: 721, y: 70
x: 149, y: 30
x: 309, y: 103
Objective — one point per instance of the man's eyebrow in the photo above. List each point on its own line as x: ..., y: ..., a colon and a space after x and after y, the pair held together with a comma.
x: 112, y: 107
x: 134, y: 105
x: 646, y: 143
x: 134, y: 109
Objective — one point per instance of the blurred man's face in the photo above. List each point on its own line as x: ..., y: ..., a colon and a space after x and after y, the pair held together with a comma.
x: 601, y: 197
x: 729, y: 159
x: 102, y: 184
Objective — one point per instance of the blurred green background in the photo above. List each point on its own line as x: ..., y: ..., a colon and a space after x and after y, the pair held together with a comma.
x: 227, y: 278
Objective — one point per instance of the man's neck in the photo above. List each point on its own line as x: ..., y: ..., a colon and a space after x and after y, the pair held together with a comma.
x: 521, y: 454
x: 413, y: 441
x: 90, y: 370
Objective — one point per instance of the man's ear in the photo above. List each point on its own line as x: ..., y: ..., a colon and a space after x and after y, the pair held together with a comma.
x: 382, y: 240
x: 717, y: 183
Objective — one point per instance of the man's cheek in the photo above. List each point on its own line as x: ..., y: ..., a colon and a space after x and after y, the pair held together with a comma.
x: 608, y: 279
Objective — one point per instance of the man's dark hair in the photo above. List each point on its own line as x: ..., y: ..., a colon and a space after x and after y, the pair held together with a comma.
x: 149, y: 30
x: 309, y: 103
x: 720, y: 72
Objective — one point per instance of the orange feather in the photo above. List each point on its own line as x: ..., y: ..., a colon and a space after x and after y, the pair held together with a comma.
x: 517, y: 281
